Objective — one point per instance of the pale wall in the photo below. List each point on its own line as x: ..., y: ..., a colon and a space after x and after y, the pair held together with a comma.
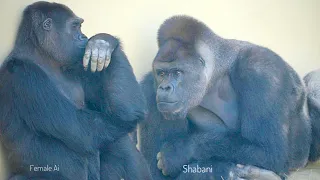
x: 289, y: 27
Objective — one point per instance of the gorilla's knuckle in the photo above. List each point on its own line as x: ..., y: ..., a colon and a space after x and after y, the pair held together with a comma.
x: 100, y: 61
x: 87, y: 55
x: 94, y: 56
x: 102, y: 53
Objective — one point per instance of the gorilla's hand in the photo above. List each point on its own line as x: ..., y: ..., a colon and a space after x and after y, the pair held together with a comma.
x: 241, y: 172
x: 172, y: 157
x: 99, y: 50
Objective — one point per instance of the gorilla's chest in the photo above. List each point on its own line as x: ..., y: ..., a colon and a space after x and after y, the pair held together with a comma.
x: 218, y: 107
x: 72, y: 90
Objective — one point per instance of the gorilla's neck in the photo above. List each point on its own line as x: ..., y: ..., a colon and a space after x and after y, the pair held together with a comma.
x: 28, y: 52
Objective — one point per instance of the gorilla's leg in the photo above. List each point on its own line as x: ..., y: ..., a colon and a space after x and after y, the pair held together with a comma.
x: 122, y: 160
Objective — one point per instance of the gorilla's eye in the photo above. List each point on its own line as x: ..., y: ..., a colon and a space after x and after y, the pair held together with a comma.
x: 177, y: 72
x: 76, y: 25
x: 161, y: 73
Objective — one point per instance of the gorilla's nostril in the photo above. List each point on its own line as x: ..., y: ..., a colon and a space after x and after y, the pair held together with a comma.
x: 167, y: 87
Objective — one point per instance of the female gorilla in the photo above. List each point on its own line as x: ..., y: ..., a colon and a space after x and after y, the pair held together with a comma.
x: 59, y: 121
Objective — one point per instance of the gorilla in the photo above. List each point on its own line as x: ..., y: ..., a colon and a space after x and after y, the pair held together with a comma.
x: 312, y: 81
x: 231, y: 106
x: 59, y: 120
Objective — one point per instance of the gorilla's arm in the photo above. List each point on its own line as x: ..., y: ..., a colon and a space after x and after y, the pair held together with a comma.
x: 261, y: 140
x: 115, y: 90
x: 263, y: 85
x: 120, y: 88
x: 36, y: 102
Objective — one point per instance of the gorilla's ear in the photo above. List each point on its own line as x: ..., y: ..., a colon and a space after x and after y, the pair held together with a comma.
x: 47, y: 24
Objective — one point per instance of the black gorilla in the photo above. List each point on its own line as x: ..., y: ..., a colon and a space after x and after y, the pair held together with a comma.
x: 312, y: 81
x: 54, y: 113
x: 217, y: 102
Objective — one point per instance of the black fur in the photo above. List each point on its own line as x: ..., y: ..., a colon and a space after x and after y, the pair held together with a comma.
x: 312, y: 81
x: 39, y: 126
x: 272, y: 128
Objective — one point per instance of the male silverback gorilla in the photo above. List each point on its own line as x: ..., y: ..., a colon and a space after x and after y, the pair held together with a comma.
x: 54, y: 113
x: 217, y: 102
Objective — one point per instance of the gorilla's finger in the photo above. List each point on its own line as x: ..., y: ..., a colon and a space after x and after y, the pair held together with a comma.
x: 252, y: 172
x: 158, y: 155
x: 86, y: 57
x: 246, y: 171
x: 108, y: 58
x: 94, y: 59
x: 101, y: 59
x: 160, y: 165
x: 164, y: 172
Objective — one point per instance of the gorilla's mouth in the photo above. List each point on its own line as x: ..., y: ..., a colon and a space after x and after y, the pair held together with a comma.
x: 166, y: 106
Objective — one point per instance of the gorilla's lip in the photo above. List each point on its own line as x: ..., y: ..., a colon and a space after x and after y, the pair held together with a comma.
x: 167, y: 106
x: 167, y: 102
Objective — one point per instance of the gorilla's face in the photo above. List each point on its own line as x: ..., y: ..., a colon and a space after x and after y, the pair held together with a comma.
x: 181, y: 83
x: 64, y: 40
x: 75, y: 39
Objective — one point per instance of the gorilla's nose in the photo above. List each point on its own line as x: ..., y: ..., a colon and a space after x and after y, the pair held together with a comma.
x: 168, y: 88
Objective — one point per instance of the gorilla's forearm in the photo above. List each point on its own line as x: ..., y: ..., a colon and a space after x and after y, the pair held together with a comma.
x: 121, y: 90
x: 233, y: 147
x: 115, y: 90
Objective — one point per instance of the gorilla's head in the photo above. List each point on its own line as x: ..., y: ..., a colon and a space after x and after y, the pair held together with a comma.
x: 179, y: 73
x: 54, y: 30
x: 184, y: 65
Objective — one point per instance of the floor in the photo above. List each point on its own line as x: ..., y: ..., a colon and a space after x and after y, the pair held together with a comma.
x: 311, y: 172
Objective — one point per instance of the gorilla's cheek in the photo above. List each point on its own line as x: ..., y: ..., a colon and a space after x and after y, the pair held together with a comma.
x: 75, y: 53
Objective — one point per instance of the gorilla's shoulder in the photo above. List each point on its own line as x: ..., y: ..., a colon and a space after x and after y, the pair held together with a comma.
x: 147, y: 86
x: 260, y: 60
x: 17, y: 68
x: 17, y: 65
x: 312, y: 76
